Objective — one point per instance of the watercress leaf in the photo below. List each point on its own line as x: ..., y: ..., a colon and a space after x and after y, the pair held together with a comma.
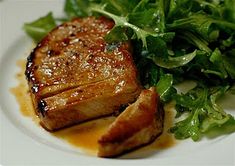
x: 39, y: 28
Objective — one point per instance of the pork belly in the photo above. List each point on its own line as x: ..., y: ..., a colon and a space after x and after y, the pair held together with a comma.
x: 75, y: 75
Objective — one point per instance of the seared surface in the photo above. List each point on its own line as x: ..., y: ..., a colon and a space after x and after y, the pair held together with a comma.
x: 73, y: 68
x: 139, y: 124
x: 75, y: 54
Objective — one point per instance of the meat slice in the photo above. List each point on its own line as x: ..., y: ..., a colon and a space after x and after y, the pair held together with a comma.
x: 74, y: 75
x: 139, y: 124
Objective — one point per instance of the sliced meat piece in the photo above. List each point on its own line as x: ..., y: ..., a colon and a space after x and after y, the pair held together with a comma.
x: 73, y: 73
x: 138, y: 125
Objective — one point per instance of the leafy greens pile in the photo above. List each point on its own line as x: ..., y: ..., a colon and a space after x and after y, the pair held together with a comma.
x: 174, y: 41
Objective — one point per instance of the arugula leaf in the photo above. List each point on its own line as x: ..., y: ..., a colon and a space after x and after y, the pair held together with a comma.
x: 229, y: 63
x: 229, y: 13
x: 215, y: 115
x: 216, y: 58
x: 40, y: 28
x: 212, y: 7
x: 120, y: 7
x: 165, y: 87
x: 161, y: 16
x: 173, y: 62
x: 143, y: 18
x: 195, y: 40
x: 117, y: 34
x: 123, y: 22
x: 199, y: 23
x: 149, y: 73
x: 178, y: 9
x: 76, y: 8
x: 203, y: 112
x: 141, y: 6
x: 226, y: 128
x: 189, y: 127
x: 158, y: 53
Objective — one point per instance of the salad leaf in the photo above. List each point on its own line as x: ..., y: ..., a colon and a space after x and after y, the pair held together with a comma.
x: 123, y: 22
x: 188, y: 127
x: 229, y: 13
x: 173, y: 62
x: 226, y: 128
x: 203, y: 112
x: 120, y: 7
x: 229, y: 63
x: 117, y: 34
x: 76, y: 8
x: 165, y: 87
x: 40, y: 28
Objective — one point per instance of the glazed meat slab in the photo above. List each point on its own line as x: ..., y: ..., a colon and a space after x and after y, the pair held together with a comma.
x: 74, y: 75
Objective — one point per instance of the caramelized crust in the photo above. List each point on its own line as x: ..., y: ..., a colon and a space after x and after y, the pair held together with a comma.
x: 74, y: 65
x: 76, y: 54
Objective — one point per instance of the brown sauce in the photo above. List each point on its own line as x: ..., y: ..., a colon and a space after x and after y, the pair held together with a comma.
x: 21, y: 92
x: 166, y: 139
x: 86, y: 135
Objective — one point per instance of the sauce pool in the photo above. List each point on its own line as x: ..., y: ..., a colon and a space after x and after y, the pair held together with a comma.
x: 86, y: 135
x: 167, y: 139
x: 21, y: 92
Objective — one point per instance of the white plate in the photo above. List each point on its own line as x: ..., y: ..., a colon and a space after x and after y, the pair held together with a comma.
x: 24, y: 143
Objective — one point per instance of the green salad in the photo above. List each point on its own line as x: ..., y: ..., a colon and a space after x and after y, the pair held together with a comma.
x: 173, y: 41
